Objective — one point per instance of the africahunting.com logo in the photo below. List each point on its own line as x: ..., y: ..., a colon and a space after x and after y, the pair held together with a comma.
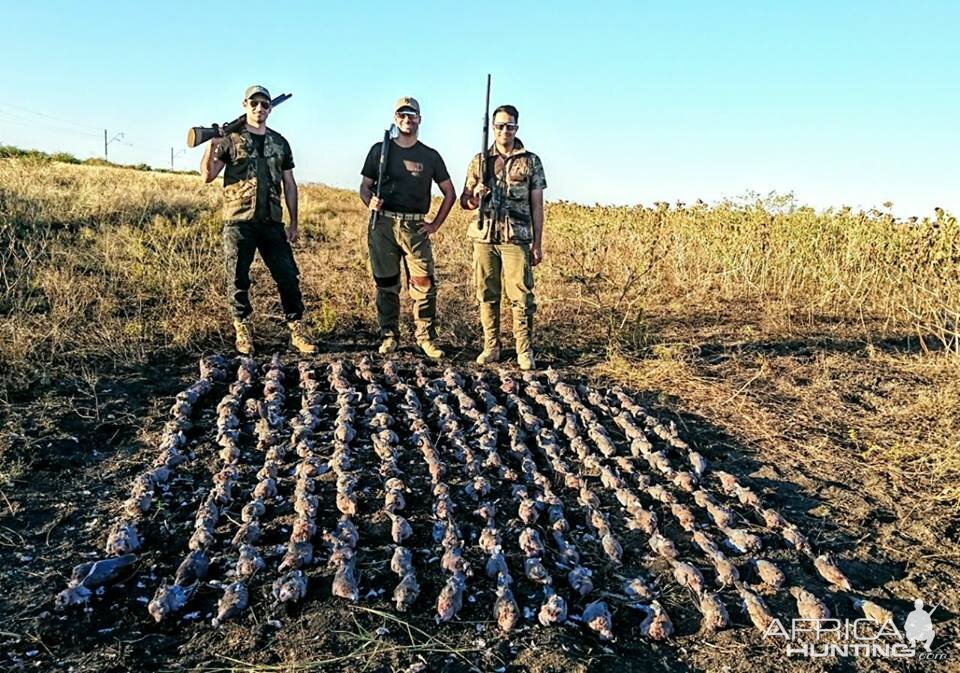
x: 860, y: 637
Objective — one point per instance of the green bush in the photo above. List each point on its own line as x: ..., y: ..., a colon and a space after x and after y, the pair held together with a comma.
x: 65, y: 158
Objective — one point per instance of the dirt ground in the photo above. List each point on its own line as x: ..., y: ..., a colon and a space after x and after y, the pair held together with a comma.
x: 70, y: 447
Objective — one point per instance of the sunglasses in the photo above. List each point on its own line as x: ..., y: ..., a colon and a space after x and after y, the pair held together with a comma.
x: 409, y: 115
x: 265, y: 104
x: 507, y: 126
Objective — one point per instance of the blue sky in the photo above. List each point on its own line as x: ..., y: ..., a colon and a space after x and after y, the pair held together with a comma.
x: 626, y: 102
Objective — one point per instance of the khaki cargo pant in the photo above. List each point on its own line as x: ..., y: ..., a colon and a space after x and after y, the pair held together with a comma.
x: 505, y: 268
x: 392, y: 242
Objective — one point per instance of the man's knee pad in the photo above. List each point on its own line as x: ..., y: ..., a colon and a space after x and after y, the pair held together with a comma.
x: 387, y: 281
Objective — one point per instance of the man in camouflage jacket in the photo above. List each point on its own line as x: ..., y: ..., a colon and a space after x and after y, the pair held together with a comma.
x: 510, y: 243
x: 259, y: 168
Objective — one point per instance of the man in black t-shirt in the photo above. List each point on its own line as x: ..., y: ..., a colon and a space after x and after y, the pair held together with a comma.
x: 400, y: 230
x: 259, y: 168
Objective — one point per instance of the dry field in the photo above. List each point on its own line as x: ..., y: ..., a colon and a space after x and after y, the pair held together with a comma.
x: 813, y: 356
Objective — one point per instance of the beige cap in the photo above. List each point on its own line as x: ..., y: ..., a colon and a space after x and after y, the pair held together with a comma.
x: 407, y: 101
x: 254, y: 90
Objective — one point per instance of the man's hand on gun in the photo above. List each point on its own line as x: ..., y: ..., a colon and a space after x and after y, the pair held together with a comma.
x: 376, y: 204
x: 479, y: 192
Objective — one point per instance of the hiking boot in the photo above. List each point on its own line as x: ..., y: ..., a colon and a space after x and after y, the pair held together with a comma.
x: 388, y: 346
x: 244, y: 341
x: 526, y: 361
x: 300, y: 338
x: 489, y: 354
x: 430, y: 349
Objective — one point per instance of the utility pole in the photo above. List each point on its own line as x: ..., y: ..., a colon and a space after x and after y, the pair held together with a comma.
x: 174, y: 156
x: 106, y: 143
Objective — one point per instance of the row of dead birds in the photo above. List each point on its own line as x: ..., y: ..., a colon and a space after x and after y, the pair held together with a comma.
x: 170, y: 598
x: 291, y: 585
x: 385, y: 444
x: 124, y: 536
x: 267, y: 430
x: 342, y: 541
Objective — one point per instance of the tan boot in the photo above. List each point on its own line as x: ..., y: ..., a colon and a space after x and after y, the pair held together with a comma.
x: 244, y: 341
x: 300, y: 338
x: 489, y: 354
x: 388, y: 346
x: 526, y: 361
x: 430, y: 349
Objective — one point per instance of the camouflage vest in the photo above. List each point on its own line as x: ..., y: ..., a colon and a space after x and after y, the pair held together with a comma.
x: 240, y: 176
x: 507, y: 212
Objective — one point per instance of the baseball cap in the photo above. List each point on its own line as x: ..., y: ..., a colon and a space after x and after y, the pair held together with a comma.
x: 254, y: 90
x: 407, y: 101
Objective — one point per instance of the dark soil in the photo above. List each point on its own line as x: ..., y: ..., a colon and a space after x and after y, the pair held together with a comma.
x: 70, y: 448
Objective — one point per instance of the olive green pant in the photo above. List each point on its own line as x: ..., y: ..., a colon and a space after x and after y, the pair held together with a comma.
x: 505, y: 268
x: 392, y: 242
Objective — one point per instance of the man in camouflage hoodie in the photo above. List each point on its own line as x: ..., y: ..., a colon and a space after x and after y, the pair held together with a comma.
x: 259, y: 168
x: 509, y: 245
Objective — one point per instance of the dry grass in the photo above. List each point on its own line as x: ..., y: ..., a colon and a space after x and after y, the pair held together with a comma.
x: 796, y: 332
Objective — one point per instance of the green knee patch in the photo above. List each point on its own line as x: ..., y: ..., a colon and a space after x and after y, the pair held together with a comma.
x: 387, y: 281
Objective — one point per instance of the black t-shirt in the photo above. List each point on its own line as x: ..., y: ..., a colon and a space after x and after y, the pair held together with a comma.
x: 409, y: 171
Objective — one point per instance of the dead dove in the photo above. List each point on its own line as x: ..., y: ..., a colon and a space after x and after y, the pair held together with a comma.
x: 656, y: 625
x: 530, y: 542
x: 248, y: 533
x: 400, y: 528
x: 638, y: 590
x: 451, y: 597
x: 830, y: 572
x: 193, y: 568
x: 741, y: 541
x: 123, y: 539
x: 769, y: 573
x: 688, y: 576
x: 597, y: 617
x: 406, y: 592
x: 345, y: 582
x: 401, y: 562
x: 580, y: 580
x: 249, y: 562
x: 727, y: 573
x: 505, y: 609
x: 298, y: 555
x: 535, y: 572
x: 553, y: 610
x: 873, y: 611
x: 756, y: 609
x: 232, y: 603
x: 169, y: 600
x: 290, y: 587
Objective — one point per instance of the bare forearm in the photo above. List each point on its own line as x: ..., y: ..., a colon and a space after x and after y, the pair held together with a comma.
x: 292, y: 197
x: 445, y: 207
x: 365, y: 193
x: 210, y: 167
x: 537, y: 225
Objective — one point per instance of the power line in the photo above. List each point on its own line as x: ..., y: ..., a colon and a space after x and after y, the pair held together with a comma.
x: 43, y: 114
x: 14, y: 119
